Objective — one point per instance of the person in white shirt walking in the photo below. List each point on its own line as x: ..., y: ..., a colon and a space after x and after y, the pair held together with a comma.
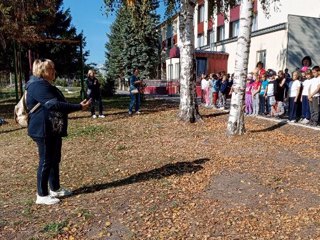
x: 314, y: 97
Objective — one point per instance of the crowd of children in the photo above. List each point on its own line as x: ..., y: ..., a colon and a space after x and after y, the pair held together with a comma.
x: 271, y: 94
x: 216, y: 89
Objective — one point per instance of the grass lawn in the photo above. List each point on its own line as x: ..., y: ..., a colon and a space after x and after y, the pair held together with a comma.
x: 151, y: 176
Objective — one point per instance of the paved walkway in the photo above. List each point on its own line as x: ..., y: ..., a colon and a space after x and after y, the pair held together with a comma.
x: 176, y: 98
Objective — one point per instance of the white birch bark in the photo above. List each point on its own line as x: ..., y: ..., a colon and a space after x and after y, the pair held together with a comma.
x: 188, y: 100
x: 236, y: 116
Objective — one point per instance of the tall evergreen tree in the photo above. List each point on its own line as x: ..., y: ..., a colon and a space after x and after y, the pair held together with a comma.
x: 66, y: 55
x: 132, y: 43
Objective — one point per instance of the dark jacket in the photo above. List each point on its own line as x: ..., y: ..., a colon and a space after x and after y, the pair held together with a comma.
x: 133, y: 79
x: 93, y: 90
x: 51, y: 118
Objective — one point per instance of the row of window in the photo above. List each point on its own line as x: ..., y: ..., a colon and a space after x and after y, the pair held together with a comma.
x: 173, y: 71
x: 233, y: 32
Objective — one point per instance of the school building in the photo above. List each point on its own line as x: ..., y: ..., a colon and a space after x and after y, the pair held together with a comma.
x: 280, y: 40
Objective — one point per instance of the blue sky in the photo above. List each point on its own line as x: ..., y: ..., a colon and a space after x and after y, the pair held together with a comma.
x: 88, y: 16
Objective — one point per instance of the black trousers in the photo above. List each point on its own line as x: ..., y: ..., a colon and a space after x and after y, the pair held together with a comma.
x: 49, y: 149
x: 96, y: 100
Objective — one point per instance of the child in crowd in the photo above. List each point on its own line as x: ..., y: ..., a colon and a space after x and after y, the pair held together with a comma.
x: 203, y: 87
x: 304, y: 98
x: 214, y: 89
x: 206, y: 89
x: 248, y: 97
x: 277, y: 110
x: 223, y: 92
x: 294, y: 91
x: 262, y: 99
x: 314, y: 97
x: 256, y: 86
x: 271, y: 90
x: 281, y: 87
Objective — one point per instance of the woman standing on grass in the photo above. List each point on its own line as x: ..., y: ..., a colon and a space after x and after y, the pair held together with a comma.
x: 94, y: 93
x: 47, y: 125
x: 135, y: 84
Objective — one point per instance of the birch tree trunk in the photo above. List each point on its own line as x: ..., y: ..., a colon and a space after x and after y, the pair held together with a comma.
x: 188, y: 99
x: 236, y: 117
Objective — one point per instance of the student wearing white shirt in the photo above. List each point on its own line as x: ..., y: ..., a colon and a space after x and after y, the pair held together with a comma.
x: 314, y: 97
x: 294, y: 91
x: 304, y: 98
x: 204, y: 85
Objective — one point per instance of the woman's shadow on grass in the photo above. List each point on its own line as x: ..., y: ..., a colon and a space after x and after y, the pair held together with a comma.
x: 178, y: 168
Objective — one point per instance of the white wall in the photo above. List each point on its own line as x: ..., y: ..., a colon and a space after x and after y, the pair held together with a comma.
x: 175, y: 71
x: 309, y: 8
x: 274, y: 43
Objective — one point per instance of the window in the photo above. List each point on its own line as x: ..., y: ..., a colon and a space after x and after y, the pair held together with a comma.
x: 176, y: 70
x: 163, y: 34
x: 175, y: 27
x: 170, y: 71
x: 261, y: 56
x: 210, y: 38
x: 220, y: 33
x: 200, y: 40
x: 201, y: 13
x: 169, y: 43
x: 234, y: 29
x: 254, y: 23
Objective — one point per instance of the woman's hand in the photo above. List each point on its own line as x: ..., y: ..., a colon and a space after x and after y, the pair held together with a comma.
x: 85, y: 104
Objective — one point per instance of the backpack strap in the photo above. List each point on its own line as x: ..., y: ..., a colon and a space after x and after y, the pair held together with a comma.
x: 25, y: 103
x: 35, y: 107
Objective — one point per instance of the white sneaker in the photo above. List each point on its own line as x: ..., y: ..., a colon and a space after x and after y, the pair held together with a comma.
x: 102, y: 116
x: 60, y: 193
x: 94, y: 116
x: 138, y: 112
x: 305, y: 121
x: 46, y: 200
x: 130, y: 113
x: 292, y: 121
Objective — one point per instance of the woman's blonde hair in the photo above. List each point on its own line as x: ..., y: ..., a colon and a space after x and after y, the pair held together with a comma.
x: 41, y: 66
x: 91, y: 71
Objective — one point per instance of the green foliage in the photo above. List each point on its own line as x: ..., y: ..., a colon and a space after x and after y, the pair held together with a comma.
x: 86, y: 131
x: 16, y: 18
x: 52, y: 22
x: 55, y: 228
x: 61, y: 82
x: 108, y: 87
x: 133, y: 41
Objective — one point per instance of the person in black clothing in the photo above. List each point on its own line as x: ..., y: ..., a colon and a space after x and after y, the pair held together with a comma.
x: 93, y: 92
x: 47, y: 125
x: 281, y: 87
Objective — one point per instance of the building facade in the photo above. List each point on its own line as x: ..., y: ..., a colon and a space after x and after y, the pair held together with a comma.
x: 280, y: 39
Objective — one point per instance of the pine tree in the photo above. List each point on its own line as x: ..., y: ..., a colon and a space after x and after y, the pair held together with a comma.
x: 65, y: 55
x: 132, y: 43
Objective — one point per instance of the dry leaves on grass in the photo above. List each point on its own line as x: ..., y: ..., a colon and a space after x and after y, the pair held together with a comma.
x: 150, y: 176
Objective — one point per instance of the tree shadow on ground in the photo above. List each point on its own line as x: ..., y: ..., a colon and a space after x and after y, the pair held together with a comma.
x: 214, y: 114
x: 178, y: 168
x: 272, y: 128
x: 10, y: 130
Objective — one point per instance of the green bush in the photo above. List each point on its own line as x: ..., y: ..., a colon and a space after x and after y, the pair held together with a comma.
x: 61, y: 82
